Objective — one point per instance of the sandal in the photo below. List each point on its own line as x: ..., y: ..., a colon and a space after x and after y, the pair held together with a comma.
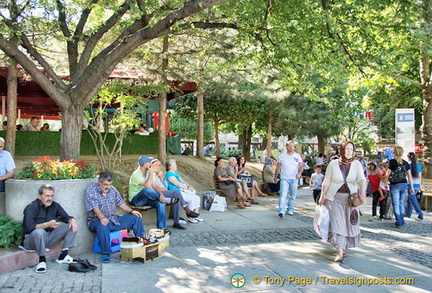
x: 41, y: 268
x: 105, y: 258
x: 263, y: 195
x: 338, y: 258
x: 254, y: 202
x: 67, y: 260
x: 240, y: 206
x: 246, y: 205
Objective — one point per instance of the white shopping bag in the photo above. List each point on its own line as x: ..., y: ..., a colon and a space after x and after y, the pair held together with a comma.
x: 219, y: 204
x: 321, y: 222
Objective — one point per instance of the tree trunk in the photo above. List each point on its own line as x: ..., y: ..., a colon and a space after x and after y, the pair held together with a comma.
x: 200, y: 131
x: 269, y: 134
x: 321, y: 144
x: 216, y: 135
x: 247, y: 135
x: 70, y: 138
x: 162, y: 155
x: 12, y: 84
x: 426, y: 130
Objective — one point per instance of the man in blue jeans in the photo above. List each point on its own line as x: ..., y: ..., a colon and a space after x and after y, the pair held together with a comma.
x: 142, y: 192
x: 101, y: 201
x: 290, y: 166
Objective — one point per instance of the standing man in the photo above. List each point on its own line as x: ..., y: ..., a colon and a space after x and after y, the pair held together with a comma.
x: 46, y: 223
x: 290, y: 166
x: 101, y: 201
x: 7, y: 165
x: 33, y: 125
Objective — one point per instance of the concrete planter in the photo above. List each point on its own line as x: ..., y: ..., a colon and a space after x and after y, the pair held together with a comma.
x: 70, y: 194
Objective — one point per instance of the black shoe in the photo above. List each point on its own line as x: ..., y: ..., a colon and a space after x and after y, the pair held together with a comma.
x: 86, y: 263
x: 178, y: 226
x: 166, y: 231
x: 192, y: 214
x: 280, y: 215
x: 78, y: 267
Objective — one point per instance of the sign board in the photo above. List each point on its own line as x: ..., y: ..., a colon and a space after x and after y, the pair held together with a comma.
x: 405, y: 129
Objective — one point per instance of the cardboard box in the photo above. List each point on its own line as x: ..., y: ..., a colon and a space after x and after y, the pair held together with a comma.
x: 144, y: 253
x: 163, y: 244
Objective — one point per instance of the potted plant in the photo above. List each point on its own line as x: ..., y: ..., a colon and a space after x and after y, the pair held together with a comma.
x: 70, y: 180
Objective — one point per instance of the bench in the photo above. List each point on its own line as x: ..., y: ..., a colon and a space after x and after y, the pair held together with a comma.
x: 426, y: 187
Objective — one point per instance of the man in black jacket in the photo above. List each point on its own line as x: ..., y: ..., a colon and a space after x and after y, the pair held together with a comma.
x: 45, y: 224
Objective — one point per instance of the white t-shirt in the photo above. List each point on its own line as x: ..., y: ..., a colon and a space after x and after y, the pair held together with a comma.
x: 289, y: 165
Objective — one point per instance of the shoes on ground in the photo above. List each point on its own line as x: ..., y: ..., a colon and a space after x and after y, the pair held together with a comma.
x: 372, y: 218
x: 183, y: 221
x: 281, y: 215
x: 79, y: 268
x: 419, y: 219
x: 179, y: 226
x: 67, y: 260
x: 254, y: 202
x: 41, y: 268
x: 199, y: 219
x: 86, y: 263
x: 290, y: 213
x: 166, y: 231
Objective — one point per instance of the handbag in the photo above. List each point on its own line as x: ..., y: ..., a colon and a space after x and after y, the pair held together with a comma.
x: 354, y: 199
x: 219, y: 204
x: 419, y: 195
x: 229, y: 182
x: 248, y: 178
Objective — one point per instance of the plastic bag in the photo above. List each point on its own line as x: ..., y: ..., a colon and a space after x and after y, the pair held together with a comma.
x: 321, y: 222
x: 219, y: 204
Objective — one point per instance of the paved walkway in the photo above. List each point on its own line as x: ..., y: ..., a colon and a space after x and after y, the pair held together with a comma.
x: 273, y: 255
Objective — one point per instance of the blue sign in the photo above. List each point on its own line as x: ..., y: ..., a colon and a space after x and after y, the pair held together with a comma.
x: 405, y: 117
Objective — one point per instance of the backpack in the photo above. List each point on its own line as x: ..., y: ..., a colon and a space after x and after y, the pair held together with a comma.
x: 398, y: 175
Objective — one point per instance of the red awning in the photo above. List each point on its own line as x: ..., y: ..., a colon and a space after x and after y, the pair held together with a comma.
x: 33, y: 101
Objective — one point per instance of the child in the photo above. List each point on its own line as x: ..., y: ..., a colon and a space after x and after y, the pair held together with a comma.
x: 316, y: 182
x: 383, y: 174
x: 374, y: 181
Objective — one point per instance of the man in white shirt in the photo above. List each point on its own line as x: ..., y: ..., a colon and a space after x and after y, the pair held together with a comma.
x: 290, y: 166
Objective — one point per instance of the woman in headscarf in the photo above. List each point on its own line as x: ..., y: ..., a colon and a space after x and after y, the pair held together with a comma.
x: 344, y: 220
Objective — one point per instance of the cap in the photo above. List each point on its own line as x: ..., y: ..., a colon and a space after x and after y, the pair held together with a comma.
x: 144, y: 159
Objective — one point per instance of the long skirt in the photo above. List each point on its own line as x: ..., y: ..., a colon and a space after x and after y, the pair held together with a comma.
x: 344, y: 222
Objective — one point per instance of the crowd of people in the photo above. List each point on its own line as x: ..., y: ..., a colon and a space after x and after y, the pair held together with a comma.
x: 392, y: 185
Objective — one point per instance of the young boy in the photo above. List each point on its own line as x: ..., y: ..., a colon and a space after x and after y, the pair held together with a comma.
x: 316, y: 182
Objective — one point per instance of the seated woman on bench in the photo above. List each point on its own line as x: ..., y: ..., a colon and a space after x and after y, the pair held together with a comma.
x: 175, y: 182
x: 233, y: 172
x: 241, y: 165
x: 227, y: 184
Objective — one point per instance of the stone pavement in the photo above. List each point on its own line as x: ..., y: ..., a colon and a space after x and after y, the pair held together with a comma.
x: 272, y: 254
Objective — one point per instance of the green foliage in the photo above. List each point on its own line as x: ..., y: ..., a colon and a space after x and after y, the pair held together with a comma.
x: 187, y: 127
x: 230, y: 153
x: 46, y: 169
x: 10, y: 231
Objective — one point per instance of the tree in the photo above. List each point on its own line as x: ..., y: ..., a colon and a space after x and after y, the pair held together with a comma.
x: 97, y: 36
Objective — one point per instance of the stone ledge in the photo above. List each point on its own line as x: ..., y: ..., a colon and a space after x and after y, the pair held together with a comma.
x: 20, y: 259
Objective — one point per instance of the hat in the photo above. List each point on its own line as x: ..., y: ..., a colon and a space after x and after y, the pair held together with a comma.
x: 144, y: 159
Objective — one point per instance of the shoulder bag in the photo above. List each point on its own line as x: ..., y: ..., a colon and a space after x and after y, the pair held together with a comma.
x: 354, y: 199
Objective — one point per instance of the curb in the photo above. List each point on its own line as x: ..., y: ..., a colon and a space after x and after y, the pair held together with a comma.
x: 20, y: 259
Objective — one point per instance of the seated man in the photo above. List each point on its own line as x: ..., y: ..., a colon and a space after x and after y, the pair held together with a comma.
x: 7, y: 165
x: 46, y: 223
x: 101, y: 201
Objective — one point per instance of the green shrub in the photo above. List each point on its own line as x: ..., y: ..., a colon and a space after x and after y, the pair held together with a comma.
x: 10, y: 231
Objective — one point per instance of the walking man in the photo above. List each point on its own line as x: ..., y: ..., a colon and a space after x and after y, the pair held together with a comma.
x: 290, y: 166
